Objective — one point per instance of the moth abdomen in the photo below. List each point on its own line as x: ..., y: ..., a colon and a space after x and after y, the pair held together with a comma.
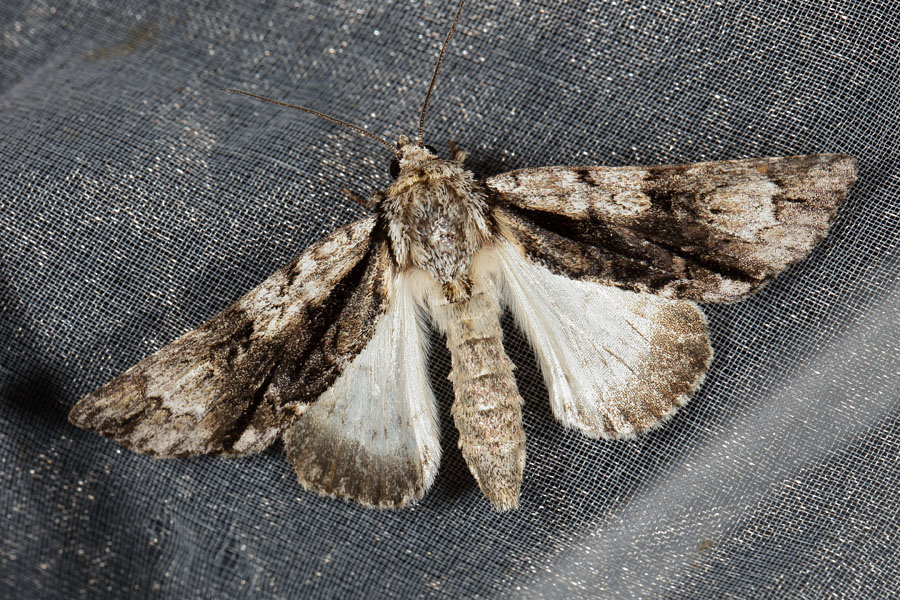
x: 487, y: 408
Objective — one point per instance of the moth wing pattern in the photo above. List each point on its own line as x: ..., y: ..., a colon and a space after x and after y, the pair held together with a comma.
x: 709, y: 232
x: 234, y: 384
x: 616, y: 363
x: 373, y: 436
x: 601, y: 268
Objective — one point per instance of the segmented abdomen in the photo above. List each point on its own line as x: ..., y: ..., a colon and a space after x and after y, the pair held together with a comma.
x: 487, y: 408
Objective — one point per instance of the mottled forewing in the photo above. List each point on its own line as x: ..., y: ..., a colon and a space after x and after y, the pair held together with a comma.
x: 710, y: 232
x: 235, y: 383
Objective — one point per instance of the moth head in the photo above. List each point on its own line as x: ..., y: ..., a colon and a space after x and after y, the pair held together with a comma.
x: 411, y: 154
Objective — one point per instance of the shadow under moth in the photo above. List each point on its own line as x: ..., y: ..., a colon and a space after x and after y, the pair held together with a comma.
x: 601, y: 267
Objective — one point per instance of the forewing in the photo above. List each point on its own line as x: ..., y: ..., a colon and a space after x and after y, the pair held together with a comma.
x: 235, y: 383
x: 373, y: 436
x: 710, y: 232
x: 615, y: 362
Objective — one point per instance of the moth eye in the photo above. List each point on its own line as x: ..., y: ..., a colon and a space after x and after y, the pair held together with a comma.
x: 431, y: 149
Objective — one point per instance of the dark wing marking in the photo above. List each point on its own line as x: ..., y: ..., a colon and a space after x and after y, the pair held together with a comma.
x: 235, y: 383
x: 710, y: 232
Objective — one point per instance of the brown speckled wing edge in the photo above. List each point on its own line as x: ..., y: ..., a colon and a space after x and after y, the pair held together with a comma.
x: 709, y: 232
x: 234, y: 384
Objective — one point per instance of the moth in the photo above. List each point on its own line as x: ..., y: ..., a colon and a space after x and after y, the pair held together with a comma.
x: 601, y: 267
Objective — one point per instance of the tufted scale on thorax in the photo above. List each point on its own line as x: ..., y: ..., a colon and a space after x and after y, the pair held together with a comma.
x: 437, y: 217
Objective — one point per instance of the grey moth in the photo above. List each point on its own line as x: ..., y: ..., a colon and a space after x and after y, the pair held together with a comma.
x: 601, y: 267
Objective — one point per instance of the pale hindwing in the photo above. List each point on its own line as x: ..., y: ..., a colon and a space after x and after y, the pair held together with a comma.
x: 234, y: 384
x: 615, y: 362
x: 709, y: 232
x: 373, y: 435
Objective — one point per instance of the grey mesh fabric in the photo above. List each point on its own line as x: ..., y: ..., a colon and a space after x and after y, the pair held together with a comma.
x: 137, y: 200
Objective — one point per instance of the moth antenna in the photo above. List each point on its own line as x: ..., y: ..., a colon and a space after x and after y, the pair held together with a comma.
x: 382, y: 141
x: 436, y: 69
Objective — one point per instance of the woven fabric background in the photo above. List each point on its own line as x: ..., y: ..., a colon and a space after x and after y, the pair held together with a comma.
x: 137, y: 200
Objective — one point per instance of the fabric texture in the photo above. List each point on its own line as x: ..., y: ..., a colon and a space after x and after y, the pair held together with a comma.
x: 137, y: 200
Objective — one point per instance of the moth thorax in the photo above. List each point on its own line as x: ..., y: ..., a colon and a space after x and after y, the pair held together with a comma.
x: 438, y: 219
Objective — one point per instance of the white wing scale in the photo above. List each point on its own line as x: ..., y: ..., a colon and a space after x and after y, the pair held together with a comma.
x: 373, y: 435
x: 615, y: 362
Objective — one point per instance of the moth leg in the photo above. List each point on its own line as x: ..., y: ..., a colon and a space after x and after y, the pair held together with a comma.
x: 347, y: 192
x: 457, y: 153
x: 373, y: 200
x: 487, y: 409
